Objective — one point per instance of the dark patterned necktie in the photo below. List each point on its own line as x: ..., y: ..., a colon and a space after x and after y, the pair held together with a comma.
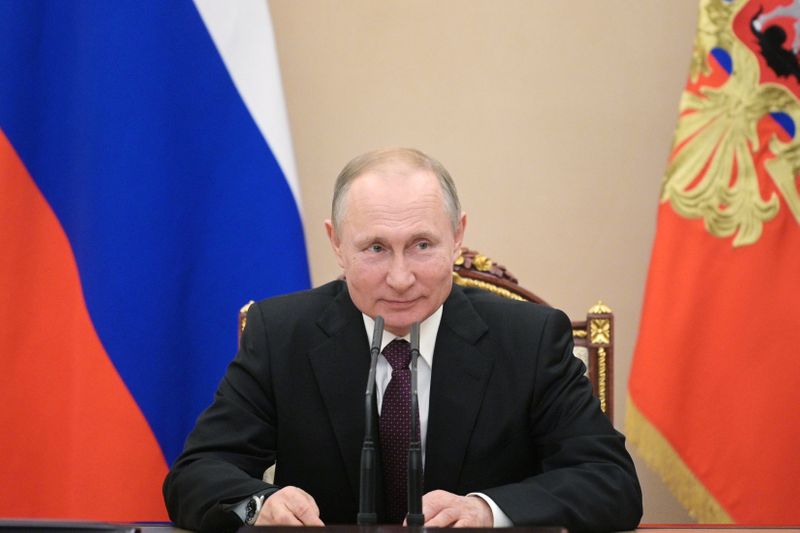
x: 395, y: 428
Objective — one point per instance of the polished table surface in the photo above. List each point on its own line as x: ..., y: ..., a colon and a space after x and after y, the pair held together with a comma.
x: 671, y: 528
x: 168, y: 528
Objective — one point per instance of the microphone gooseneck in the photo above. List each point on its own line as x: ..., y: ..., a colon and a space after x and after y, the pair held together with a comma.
x: 366, y: 500
x: 415, y: 516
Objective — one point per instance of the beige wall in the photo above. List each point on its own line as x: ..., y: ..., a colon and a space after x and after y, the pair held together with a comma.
x: 554, y: 117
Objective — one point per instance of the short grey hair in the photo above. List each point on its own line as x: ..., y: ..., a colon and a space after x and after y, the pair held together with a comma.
x: 411, y: 158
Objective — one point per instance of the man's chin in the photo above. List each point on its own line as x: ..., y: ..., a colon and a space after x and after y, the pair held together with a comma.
x: 399, y: 324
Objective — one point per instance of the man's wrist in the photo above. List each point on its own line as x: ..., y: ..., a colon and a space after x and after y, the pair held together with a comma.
x: 499, y: 518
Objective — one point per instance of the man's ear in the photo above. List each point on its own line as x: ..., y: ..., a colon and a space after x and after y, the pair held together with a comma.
x: 336, y: 244
x: 458, y: 241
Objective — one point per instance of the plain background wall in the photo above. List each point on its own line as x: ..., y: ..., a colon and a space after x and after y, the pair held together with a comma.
x: 555, y: 118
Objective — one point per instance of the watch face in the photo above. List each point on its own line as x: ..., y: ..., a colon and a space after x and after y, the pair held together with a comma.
x: 250, y: 515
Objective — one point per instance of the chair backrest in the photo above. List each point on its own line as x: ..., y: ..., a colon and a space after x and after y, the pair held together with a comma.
x: 594, y: 336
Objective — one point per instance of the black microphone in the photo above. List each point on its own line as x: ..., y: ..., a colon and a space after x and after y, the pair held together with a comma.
x: 366, y: 500
x: 415, y: 516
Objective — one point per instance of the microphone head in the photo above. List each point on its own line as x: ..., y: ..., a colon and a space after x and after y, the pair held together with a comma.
x: 377, y: 334
x: 415, y: 336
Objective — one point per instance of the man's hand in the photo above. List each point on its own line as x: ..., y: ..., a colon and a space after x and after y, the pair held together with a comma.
x: 445, y: 509
x: 290, y: 506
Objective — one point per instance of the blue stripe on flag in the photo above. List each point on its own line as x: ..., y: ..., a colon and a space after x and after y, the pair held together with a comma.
x: 173, y: 203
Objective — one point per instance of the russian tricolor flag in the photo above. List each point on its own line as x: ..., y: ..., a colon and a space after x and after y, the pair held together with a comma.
x: 147, y: 191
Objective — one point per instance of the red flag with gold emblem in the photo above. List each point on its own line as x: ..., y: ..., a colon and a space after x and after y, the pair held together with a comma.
x: 714, y: 392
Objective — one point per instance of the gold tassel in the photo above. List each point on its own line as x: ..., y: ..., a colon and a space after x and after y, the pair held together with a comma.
x: 659, y: 454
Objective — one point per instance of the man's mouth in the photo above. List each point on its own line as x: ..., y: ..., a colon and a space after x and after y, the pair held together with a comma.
x: 400, y: 303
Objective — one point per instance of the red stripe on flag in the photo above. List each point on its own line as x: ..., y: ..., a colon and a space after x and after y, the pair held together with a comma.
x: 716, y: 361
x: 75, y: 444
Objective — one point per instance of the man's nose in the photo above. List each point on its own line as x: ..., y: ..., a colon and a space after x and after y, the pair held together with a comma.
x: 400, y: 277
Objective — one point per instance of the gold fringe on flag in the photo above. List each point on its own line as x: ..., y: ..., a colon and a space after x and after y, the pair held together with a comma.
x: 659, y: 454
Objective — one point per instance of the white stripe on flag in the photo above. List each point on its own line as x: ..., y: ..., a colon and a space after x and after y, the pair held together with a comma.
x: 242, y: 32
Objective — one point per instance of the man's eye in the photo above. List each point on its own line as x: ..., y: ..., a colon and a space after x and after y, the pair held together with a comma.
x: 375, y: 248
x: 423, y: 245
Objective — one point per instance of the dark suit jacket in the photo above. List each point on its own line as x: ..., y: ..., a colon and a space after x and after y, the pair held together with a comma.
x: 511, y: 415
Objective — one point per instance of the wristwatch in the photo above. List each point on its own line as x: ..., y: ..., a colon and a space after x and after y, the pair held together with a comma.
x: 253, y: 508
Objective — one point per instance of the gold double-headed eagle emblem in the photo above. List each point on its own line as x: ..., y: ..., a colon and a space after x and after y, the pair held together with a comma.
x: 724, y: 168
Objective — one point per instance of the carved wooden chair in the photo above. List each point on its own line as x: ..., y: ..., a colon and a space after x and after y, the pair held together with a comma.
x: 594, y: 336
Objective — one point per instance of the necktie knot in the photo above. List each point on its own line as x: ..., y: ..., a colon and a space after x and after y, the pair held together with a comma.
x: 398, y: 354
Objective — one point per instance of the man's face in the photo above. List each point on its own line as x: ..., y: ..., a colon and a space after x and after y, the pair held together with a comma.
x: 396, y: 245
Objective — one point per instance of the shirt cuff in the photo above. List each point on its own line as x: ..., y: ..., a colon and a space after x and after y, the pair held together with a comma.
x: 499, y: 518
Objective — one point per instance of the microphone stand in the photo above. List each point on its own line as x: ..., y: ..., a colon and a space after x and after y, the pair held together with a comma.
x: 415, y: 516
x: 366, y: 500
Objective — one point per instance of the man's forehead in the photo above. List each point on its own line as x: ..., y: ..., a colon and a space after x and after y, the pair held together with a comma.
x: 395, y: 201
x: 407, y: 197
x: 372, y: 219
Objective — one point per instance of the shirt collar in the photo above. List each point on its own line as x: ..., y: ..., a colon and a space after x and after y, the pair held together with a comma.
x: 427, y: 334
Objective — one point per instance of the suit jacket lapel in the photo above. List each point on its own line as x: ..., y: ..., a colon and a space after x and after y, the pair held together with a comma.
x: 340, y: 366
x: 458, y: 383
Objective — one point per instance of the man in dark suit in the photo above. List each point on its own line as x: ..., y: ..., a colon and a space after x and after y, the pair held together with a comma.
x: 511, y: 432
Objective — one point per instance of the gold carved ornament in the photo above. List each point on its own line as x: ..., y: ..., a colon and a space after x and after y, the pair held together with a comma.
x: 601, y: 377
x: 713, y: 172
x: 600, y: 309
x: 482, y: 263
x: 243, y: 316
x: 500, y: 291
x: 600, y: 333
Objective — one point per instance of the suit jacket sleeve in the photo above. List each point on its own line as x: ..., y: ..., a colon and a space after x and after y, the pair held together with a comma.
x: 584, y: 478
x: 231, y: 445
